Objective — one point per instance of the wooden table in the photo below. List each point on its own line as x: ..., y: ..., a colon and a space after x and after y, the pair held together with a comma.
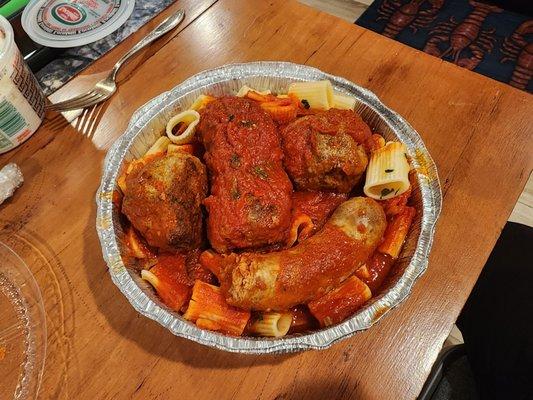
x: 478, y: 131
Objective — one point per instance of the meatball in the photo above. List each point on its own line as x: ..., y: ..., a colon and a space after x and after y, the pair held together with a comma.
x: 324, y: 151
x: 250, y: 201
x: 163, y: 201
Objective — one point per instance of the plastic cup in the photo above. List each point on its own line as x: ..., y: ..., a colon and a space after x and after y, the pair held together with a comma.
x: 21, y: 98
x: 22, y: 329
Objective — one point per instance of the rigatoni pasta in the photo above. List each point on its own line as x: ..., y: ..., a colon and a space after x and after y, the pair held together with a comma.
x: 302, y: 225
x: 343, y: 102
x: 314, y: 94
x: 341, y: 302
x: 185, y: 122
x: 271, y: 324
x: 209, y: 306
x: 160, y: 146
x: 387, y: 174
x: 396, y: 232
x: 169, y: 278
x: 136, y: 246
x: 177, y: 148
x: 200, y: 102
x: 243, y: 91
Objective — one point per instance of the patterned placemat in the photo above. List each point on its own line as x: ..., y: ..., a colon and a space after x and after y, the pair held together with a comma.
x: 474, y: 35
x: 75, y: 60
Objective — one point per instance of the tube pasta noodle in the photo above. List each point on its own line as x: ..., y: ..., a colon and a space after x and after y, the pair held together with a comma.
x: 396, y: 232
x: 317, y: 94
x: 189, y: 119
x: 282, y: 110
x: 201, y: 102
x: 281, y: 113
x: 363, y: 272
x: 180, y: 148
x: 173, y: 293
x: 137, y: 247
x: 341, y: 302
x: 301, y: 227
x: 387, y: 174
x: 243, y: 91
x: 209, y: 308
x: 271, y: 324
x: 160, y: 146
x: 343, y: 102
x: 121, y: 182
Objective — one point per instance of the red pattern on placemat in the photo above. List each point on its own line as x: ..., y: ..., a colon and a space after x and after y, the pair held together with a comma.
x: 410, y: 15
x: 517, y: 49
x: 470, y: 33
x: 463, y: 37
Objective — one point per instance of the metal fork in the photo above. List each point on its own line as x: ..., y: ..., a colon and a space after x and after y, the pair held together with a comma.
x: 106, y: 87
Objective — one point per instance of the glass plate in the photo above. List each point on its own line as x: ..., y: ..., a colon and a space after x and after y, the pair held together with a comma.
x: 22, y: 329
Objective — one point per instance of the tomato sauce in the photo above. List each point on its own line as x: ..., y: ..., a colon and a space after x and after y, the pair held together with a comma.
x: 379, y: 267
x: 317, y: 205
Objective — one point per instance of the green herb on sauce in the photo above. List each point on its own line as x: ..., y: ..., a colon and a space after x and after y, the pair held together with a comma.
x: 385, y: 192
x: 231, y: 117
x: 388, y: 171
x: 306, y: 104
x: 235, y: 161
x: 260, y: 172
x: 235, y: 194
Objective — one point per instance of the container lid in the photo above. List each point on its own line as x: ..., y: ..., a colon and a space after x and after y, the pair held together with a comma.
x: 72, y: 23
x: 6, y: 38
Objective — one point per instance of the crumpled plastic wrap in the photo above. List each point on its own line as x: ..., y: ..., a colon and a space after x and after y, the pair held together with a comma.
x: 10, y: 179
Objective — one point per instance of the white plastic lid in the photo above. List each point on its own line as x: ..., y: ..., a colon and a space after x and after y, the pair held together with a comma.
x: 72, y: 23
x: 3, y: 39
x: 6, y: 37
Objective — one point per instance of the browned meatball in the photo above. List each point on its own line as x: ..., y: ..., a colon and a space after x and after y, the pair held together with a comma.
x: 325, y: 152
x: 250, y: 201
x: 163, y: 198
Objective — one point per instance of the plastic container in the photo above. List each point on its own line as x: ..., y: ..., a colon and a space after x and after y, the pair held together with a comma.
x: 64, y: 23
x: 22, y: 329
x: 21, y: 98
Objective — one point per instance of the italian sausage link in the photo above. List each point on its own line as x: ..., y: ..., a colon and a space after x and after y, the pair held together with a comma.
x: 280, y: 280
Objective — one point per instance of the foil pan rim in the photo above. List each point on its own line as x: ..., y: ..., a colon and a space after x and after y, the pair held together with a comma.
x: 364, y: 318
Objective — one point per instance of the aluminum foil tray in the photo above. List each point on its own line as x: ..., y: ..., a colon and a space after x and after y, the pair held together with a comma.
x: 148, y: 123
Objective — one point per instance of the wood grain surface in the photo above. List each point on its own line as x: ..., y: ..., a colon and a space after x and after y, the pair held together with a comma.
x: 478, y: 131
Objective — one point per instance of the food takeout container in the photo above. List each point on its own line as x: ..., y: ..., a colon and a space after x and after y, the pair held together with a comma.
x: 149, y: 122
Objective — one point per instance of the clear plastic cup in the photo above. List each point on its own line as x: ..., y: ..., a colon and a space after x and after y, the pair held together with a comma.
x: 21, y: 98
x: 22, y: 329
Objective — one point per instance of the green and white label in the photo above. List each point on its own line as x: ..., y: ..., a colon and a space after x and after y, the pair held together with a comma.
x: 70, y: 14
